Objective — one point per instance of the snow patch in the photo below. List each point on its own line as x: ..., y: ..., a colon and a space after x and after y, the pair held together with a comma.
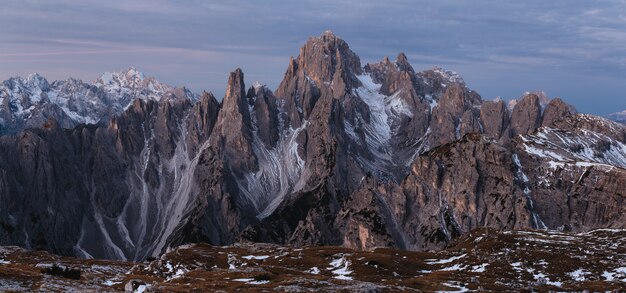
x: 341, y: 268
x: 110, y: 283
x: 579, y: 275
x: 445, y: 261
x: 251, y: 281
x: 479, y: 268
x: 314, y: 271
x: 141, y: 289
x: 257, y: 257
x: 456, y: 285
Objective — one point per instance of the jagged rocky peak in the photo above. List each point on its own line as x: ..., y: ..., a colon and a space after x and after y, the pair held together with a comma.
x: 526, y: 115
x: 202, y: 121
x: 132, y: 82
x: 29, y: 88
x: 264, y: 114
x: 438, y: 77
x: 432, y: 83
x: 541, y: 95
x: 495, y: 117
x: 325, y: 56
x: 130, y: 76
x: 403, y: 63
x: 233, y: 129
x: 37, y: 81
x: 235, y: 89
x: 556, y: 110
x: 393, y: 76
x: 455, y: 114
x: 32, y: 81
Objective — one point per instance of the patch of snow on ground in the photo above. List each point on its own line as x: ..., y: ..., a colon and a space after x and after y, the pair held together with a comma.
x: 251, y: 281
x: 579, y: 275
x: 314, y: 271
x: 231, y: 262
x: 616, y: 274
x: 141, y: 289
x: 456, y: 285
x: 169, y: 267
x: 542, y: 277
x: 479, y: 268
x: 608, y: 276
x: 257, y: 257
x: 179, y: 273
x: 554, y: 283
x: 261, y: 282
x: 340, y: 268
x: 455, y: 267
x: 444, y: 261
x: 110, y: 283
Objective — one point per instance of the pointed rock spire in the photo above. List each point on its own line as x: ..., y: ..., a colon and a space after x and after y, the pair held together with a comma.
x: 236, y: 87
x: 403, y: 63
x: 233, y: 129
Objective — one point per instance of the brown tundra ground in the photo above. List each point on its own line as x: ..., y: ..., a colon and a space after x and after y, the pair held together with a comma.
x: 485, y: 260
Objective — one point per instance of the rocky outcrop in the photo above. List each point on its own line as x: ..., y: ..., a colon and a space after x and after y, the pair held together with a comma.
x: 556, y: 110
x: 454, y: 115
x: 111, y: 191
x: 456, y: 188
x: 201, y: 122
x: 526, y: 115
x: 575, y: 172
x: 233, y: 131
x: 495, y: 117
x: 265, y: 115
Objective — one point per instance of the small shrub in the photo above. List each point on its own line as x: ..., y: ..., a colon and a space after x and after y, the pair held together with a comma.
x: 262, y: 277
x: 56, y: 270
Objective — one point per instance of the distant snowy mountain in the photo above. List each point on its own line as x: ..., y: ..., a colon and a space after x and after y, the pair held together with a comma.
x: 618, y: 116
x: 31, y: 101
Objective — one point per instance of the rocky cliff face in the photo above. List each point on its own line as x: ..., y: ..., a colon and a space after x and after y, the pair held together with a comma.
x: 361, y: 156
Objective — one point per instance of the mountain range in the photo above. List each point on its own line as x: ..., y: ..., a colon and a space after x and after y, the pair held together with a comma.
x: 341, y: 153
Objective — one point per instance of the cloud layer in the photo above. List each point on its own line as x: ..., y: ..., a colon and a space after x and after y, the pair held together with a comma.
x: 569, y: 48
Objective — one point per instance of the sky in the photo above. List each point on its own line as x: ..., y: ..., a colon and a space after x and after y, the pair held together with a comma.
x: 571, y: 49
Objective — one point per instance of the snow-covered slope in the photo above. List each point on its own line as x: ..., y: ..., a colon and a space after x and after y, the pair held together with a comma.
x: 579, y: 146
x: 31, y: 101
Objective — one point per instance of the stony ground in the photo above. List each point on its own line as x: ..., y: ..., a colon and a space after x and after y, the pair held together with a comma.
x: 486, y: 260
